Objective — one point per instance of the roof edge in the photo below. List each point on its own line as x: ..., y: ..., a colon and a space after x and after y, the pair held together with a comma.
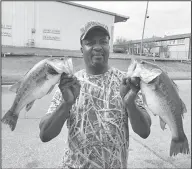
x: 118, y: 18
x: 165, y: 38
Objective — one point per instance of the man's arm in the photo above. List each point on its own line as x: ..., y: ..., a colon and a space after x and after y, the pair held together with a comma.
x: 52, y: 123
x: 139, y: 118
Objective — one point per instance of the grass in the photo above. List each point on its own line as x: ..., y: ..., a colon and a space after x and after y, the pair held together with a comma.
x: 14, y: 68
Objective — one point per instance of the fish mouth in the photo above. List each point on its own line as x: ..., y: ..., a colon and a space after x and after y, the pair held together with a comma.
x: 132, y: 67
x: 62, y: 65
x: 51, y: 70
x: 146, y: 71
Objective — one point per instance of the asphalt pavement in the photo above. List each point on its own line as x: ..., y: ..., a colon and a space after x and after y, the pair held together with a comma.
x: 23, y: 148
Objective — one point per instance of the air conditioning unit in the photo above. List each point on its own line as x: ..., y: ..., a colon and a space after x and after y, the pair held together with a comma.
x: 30, y: 43
x: 33, y: 30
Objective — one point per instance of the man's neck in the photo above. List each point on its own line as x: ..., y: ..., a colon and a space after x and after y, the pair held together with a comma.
x: 97, y: 70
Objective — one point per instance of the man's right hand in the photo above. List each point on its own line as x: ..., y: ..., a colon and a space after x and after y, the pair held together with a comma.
x: 70, y: 88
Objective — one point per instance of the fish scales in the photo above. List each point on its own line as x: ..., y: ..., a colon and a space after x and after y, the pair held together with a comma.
x: 161, y: 97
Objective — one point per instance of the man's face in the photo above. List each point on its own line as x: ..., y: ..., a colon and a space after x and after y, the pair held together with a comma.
x: 95, y: 48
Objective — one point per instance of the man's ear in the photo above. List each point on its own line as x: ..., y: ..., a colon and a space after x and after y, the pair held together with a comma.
x: 81, y: 49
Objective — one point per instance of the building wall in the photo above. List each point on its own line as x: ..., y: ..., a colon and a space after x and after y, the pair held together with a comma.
x: 18, y: 17
x: 179, y: 49
x: 155, y: 50
x: 57, y: 25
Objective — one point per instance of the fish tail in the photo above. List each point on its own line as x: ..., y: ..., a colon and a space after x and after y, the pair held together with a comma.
x: 10, y: 118
x: 179, y: 146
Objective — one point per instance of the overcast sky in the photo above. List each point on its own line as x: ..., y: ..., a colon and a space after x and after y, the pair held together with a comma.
x: 165, y: 17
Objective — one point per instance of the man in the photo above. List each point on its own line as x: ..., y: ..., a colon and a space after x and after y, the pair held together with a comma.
x: 97, y: 115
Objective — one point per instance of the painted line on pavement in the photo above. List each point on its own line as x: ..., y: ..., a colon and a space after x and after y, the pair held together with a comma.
x: 151, y: 150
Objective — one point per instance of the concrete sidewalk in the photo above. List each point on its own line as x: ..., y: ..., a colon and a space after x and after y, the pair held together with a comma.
x: 180, y: 75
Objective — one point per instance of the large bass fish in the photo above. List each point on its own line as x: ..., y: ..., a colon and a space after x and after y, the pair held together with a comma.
x: 38, y: 82
x: 160, y: 95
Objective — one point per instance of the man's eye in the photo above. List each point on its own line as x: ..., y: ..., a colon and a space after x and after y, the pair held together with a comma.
x: 89, y: 43
x: 104, y: 42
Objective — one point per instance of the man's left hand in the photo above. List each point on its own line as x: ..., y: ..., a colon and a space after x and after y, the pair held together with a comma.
x: 129, y: 89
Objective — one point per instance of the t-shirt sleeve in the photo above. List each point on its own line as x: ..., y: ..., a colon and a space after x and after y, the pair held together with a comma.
x: 55, y: 102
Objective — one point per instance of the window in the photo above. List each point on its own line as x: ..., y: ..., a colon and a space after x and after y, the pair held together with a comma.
x: 180, y: 41
x: 173, y: 41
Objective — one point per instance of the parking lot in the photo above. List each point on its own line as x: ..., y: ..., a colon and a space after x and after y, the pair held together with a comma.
x: 22, y: 148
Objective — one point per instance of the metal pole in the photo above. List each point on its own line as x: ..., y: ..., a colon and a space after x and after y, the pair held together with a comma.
x: 189, y: 51
x: 143, y: 29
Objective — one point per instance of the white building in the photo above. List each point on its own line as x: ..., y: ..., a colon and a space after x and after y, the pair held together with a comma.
x: 173, y: 46
x: 50, y: 24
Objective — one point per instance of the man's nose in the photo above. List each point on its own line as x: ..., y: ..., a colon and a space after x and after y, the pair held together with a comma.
x: 97, y: 47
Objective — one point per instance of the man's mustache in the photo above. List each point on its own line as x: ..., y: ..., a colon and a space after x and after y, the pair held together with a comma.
x: 97, y: 53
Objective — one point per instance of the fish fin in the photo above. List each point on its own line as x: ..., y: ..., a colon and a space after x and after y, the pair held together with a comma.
x: 162, y: 123
x: 131, y: 67
x: 11, y: 119
x: 50, y: 90
x: 184, y: 109
x: 15, y: 87
x: 29, y: 105
x: 175, y: 86
x: 179, y: 146
x: 27, y: 72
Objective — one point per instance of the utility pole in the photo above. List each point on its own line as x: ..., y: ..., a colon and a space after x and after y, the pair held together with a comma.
x: 144, y: 29
x: 189, y: 51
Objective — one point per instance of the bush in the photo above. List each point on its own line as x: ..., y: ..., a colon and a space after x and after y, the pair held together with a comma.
x: 119, y: 50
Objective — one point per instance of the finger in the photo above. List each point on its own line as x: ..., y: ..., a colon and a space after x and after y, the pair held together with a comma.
x: 71, y: 76
x: 134, y: 87
x: 135, y: 81
x: 128, y: 81
x: 66, y: 85
x: 75, y: 90
x: 64, y: 75
x: 124, y: 81
x: 67, y: 76
x: 77, y: 82
x: 66, y: 81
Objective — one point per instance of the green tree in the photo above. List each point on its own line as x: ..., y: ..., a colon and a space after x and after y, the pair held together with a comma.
x: 121, y: 41
x: 164, y: 49
x: 149, y: 45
